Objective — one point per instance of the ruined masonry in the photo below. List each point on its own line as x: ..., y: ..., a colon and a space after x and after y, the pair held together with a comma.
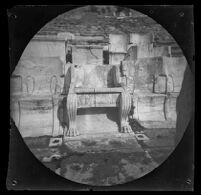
x: 72, y: 85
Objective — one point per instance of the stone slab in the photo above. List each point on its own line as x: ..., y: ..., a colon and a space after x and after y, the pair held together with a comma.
x: 104, y: 143
x: 96, y: 120
x: 158, y: 124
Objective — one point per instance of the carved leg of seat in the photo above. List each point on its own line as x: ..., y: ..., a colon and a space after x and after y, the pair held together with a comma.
x: 72, y: 115
x: 125, y: 107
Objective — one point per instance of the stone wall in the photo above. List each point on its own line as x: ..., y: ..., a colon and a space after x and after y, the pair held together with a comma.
x: 39, y: 48
x: 132, y: 37
x: 39, y: 74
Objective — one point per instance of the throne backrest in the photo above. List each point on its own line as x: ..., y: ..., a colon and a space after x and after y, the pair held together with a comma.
x: 92, y: 76
x: 99, y: 76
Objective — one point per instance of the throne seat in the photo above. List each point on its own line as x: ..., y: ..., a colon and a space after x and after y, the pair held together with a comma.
x: 95, y: 87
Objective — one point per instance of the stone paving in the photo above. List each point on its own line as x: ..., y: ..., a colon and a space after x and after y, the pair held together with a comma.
x: 105, y: 161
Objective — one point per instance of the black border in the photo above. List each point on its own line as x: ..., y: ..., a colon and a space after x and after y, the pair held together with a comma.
x: 29, y: 171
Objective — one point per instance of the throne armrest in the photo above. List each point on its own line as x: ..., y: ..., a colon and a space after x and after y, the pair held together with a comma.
x: 120, y: 75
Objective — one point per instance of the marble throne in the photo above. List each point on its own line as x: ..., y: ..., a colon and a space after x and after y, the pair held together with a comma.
x: 94, y: 86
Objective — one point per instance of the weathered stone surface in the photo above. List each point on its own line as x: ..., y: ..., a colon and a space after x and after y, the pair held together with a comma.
x: 175, y: 67
x: 118, y: 42
x: 170, y: 107
x: 160, y: 84
x: 87, y: 55
x: 155, y: 110
x: 45, y: 49
x: 98, y: 100
x: 98, y: 120
x: 40, y: 76
x: 151, y: 108
x: 16, y: 84
x: 145, y: 71
x: 107, y: 100
x: 131, y: 54
x: 141, y: 39
x: 86, y: 100
x: 116, y: 58
x: 36, y: 118
x: 159, y: 51
x: 88, y: 76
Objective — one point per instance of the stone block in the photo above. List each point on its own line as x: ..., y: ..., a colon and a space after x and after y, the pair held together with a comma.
x: 159, y: 51
x: 118, y: 42
x: 97, y: 120
x: 175, y: 67
x: 145, y: 71
x: 144, y: 51
x: 151, y: 108
x: 141, y: 39
x: 36, y: 118
x: 87, y: 55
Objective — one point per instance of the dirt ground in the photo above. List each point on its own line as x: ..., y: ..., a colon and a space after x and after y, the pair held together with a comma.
x: 105, y: 161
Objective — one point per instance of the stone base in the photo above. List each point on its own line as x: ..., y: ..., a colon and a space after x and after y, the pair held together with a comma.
x: 102, y: 142
x: 158, y: 124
